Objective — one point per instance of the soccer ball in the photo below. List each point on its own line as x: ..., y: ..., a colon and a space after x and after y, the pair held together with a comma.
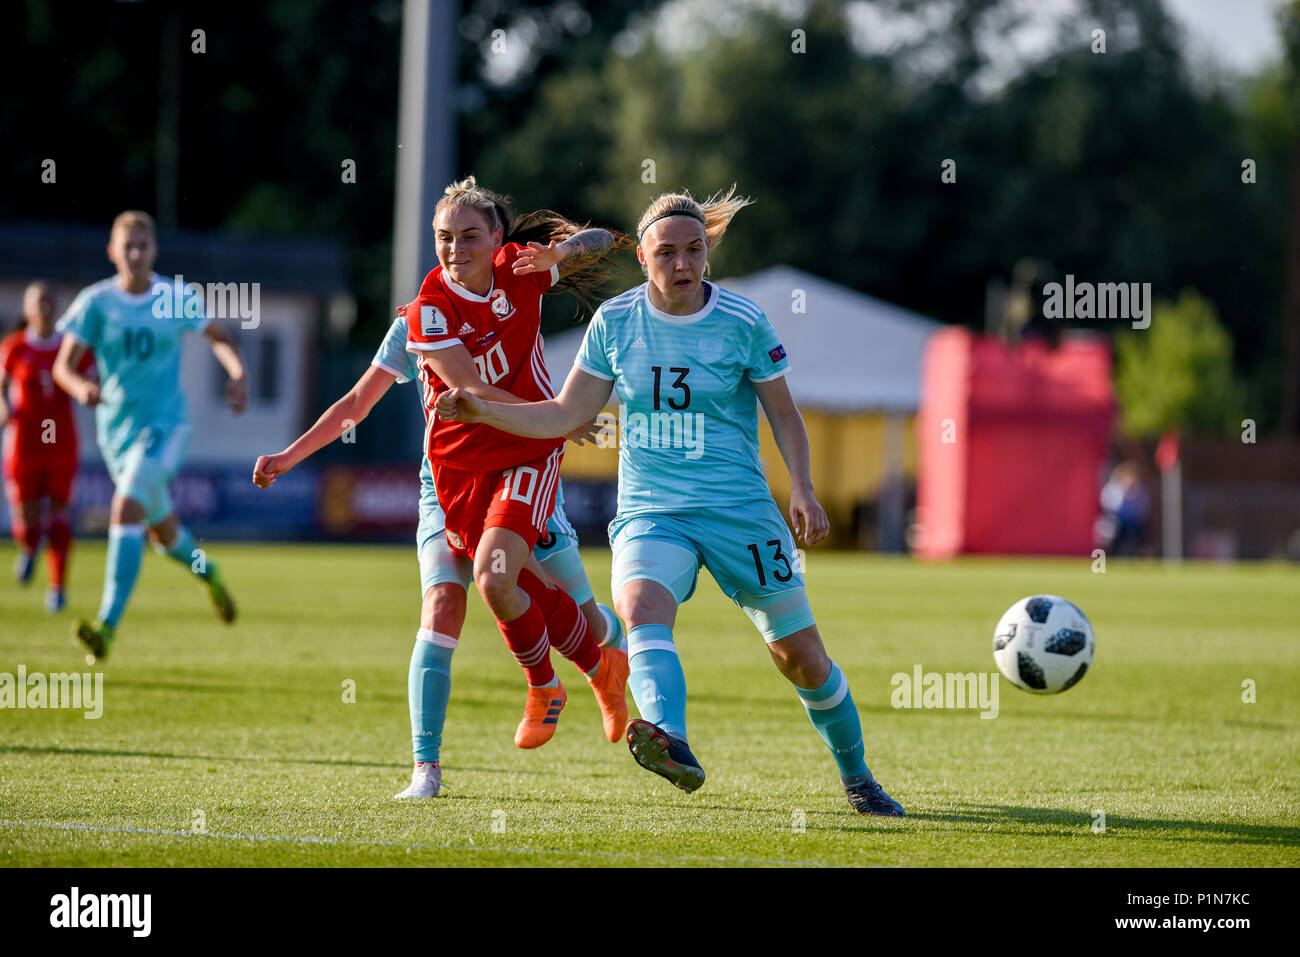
x: 1043, y: 644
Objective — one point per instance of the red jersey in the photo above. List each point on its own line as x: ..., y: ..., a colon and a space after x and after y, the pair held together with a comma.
x: 502, y: 331
x: 41, y: 430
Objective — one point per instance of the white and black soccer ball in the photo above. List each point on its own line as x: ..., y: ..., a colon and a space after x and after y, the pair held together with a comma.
x: 1043, y: 644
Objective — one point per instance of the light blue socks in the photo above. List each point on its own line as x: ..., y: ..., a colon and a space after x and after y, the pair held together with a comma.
x: 125, y: 552
x: 656, y: 680
x: 428, y: 689
x: 833, y: 714
x: 187, y: 553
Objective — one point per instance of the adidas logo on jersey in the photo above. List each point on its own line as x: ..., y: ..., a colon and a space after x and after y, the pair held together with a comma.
x: 638, y: 343
x: 466, y: 330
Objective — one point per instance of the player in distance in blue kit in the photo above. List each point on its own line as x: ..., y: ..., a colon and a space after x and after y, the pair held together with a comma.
x: 690, y: 361
x: 142, y: 424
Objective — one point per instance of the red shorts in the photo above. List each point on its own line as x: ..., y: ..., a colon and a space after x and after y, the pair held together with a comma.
x: 520, y: 499
x: 31, y: 483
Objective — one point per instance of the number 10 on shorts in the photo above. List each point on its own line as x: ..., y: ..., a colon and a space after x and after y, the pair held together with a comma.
x: 514, y: 481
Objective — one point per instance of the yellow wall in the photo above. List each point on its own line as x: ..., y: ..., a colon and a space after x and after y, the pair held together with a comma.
x: 847, y: 456
x: 846, y: 460
x: 591, y: 461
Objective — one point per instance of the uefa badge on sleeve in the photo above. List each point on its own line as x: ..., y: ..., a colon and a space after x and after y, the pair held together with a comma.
x: 433, y: 322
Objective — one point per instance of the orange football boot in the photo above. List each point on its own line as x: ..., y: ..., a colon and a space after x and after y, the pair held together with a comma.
x: 610, y: 686
x: 541, y: 712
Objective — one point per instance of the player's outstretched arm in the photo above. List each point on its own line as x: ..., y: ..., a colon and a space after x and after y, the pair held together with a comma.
x: 66, y: 363
x: 455, y: 366
x: 806, y: 514
x: 582, y: 397
x: 223, y: 347
x: 570, y: 255
x: 354, y: 406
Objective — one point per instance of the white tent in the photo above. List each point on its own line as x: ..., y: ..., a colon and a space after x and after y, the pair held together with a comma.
x: 849, y: 352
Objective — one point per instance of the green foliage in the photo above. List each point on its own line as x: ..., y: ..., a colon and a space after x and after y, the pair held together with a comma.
x: 1085, y: 161
x: 1177, y: 374
x: 1113, y: 167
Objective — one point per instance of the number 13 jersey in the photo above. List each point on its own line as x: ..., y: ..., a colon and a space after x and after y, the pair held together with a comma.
x: 688, y: 414
x: 502, y: 331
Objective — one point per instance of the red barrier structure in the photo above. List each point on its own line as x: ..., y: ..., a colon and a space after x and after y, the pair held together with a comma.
x: 1011, y: 441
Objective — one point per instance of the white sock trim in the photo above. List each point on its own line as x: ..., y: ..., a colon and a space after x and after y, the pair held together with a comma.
x: 827, y: 703
x: 126, y: 531
x: 612, y: 625
x: 437, y: 638
x: 635, y: 648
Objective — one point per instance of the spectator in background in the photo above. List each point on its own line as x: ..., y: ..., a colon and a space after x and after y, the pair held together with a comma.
x: 1125, y: 505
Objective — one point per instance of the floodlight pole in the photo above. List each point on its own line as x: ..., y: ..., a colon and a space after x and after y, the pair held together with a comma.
x: 1171, y: 524
x: 426, y: 132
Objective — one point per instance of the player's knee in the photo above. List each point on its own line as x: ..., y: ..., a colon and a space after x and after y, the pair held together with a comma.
x: 498, y: 591
x: 804, y: 674
x: 645, y: 603
x: 802, y: 660
x: 126, y: 511
x: 633, y: 609
x: 444, y: 609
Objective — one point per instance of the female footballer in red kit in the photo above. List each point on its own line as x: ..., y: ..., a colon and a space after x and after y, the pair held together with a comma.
x: 475, y: 325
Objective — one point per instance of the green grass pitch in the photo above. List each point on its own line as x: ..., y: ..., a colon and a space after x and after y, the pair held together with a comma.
x: 234, y: 746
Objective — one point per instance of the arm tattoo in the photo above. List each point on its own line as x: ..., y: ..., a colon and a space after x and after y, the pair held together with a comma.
x: 588, y: 242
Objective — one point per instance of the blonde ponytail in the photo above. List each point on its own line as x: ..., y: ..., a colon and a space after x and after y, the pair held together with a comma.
x: 714, y: 214
x: 541, y: 226
x: 467, y: 192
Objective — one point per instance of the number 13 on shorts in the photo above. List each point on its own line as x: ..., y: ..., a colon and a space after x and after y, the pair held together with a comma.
x: 777, y: 563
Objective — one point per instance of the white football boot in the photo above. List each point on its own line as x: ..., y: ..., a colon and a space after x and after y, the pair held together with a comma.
x: 426, y: 782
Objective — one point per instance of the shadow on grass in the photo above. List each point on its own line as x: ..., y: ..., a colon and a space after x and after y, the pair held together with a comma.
x: 279, y: 691
x: 971, y: 715
x: 1198, y: 720
x: 243, y: 759
x: 1053, y: 822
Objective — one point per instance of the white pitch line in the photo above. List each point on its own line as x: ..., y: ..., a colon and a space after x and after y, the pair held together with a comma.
x: 309, y: 839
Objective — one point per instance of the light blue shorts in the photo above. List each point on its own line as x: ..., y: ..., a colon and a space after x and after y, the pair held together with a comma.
x: 748, y: 550
x: 439, y: 565
x: 145, y: 468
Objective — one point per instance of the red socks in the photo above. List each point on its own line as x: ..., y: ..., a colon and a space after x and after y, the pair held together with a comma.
x: 60, y: 542
x: 28, y: 537
x: 527, y: 640
x: 553, y: 619
x: 565, y: 623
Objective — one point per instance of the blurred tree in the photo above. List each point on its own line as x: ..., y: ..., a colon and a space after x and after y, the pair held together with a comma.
x: 1113, y: 167
x: 1177, y: 375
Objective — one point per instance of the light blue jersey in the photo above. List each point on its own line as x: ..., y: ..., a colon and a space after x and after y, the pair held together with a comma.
x: 688, y: 413
x: 137, y: 343
x: 392, y: 356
